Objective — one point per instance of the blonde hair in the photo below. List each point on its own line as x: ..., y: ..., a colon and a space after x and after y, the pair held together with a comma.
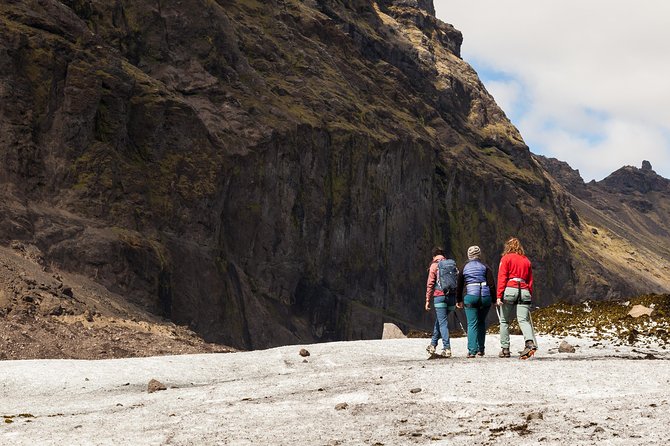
x: 513, y: 245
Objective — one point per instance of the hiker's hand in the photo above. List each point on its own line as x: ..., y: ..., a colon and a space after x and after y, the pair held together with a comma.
x: 427, y: 306
x: 459, y: 304
x: 499, y: 302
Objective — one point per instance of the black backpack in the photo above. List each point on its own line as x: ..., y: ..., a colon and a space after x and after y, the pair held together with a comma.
x: 447, y: 276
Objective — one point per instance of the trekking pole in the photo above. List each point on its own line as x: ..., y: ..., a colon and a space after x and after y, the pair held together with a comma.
x: 530, y: 319
x: 459, y: 321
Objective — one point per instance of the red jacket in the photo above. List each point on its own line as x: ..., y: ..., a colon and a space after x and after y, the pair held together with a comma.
x: 432, y: 279
x: 514, y: 265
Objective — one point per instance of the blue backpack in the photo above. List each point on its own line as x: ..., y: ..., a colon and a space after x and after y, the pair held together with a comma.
x: 447, y: 276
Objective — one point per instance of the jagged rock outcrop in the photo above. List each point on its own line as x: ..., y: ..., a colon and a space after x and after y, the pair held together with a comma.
x: 266, y: 172
x: 630, y: 180
x: 568, y: 177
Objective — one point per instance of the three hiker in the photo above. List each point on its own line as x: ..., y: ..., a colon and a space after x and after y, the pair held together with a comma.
x: 515, y: 289
x: 441, y: 288
x: 476, y: 278
x: 513, y: 295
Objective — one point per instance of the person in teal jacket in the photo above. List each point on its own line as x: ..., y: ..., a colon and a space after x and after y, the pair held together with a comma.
x: 476, y: 279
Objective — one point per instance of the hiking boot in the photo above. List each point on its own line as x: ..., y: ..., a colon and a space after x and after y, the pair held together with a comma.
x: 430, y: 349
x: 504, y: 353
x: 446, y: 353
x: 479, y: 354
x: 528, y: 351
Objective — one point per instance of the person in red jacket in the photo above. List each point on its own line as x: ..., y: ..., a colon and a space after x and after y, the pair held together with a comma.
x: 515, y: 291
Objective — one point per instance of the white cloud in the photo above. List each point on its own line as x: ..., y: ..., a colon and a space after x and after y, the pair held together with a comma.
x: 591, y: 76
x: 506, y: 93
x: 621, y: 143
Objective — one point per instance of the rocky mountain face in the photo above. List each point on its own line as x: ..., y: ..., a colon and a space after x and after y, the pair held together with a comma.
x: 624, y: 243
x: 266, y: 172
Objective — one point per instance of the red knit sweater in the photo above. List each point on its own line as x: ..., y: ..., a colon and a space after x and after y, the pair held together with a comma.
x: 514, y: 265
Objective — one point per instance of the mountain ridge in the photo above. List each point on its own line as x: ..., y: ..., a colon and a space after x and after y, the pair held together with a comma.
x: 624, y: 216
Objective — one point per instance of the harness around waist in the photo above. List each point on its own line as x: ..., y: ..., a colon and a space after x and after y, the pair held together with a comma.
x: 478, y: 289
x: 516, y: 282
x: 514, y: 294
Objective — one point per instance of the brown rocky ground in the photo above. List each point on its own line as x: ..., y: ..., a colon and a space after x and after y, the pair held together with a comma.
x: 607, y: 320
x: 47, y: 313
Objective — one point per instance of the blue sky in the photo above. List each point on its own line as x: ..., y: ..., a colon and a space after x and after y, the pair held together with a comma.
x: 584, y: 81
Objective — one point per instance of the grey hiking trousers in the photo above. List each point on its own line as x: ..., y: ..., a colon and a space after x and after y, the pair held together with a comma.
x: 522, y: 316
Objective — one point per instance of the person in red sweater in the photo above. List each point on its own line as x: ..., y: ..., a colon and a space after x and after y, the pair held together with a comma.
x: 515, y: 291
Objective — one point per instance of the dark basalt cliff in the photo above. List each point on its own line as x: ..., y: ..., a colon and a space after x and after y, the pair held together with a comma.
x: 267, y: 172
